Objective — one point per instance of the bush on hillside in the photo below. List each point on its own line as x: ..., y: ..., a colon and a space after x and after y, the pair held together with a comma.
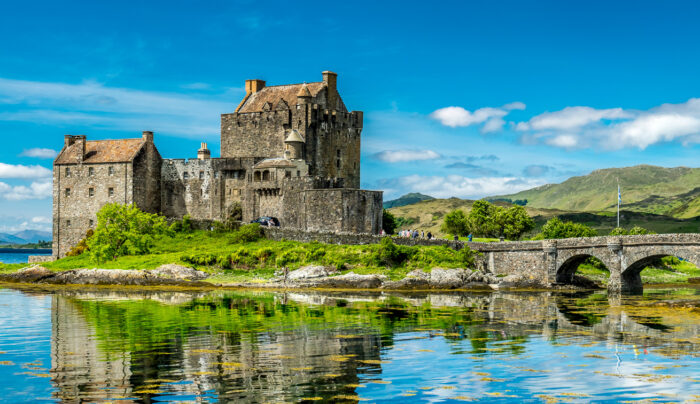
x: 246, y: 234
x: 124, y: 230
x: 635, y: 231
x: 555, y: 228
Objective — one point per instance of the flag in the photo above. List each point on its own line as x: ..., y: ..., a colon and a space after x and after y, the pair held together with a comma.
x: 619, y: 196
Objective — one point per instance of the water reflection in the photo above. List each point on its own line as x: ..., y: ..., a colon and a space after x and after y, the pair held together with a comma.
x: 274, y: 347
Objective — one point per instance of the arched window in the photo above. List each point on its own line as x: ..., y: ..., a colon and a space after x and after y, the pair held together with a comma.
x: 266, y: 175
x: 256, y: 176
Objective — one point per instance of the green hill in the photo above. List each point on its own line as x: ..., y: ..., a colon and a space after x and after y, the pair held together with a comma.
x: 429, y: 215
x: 407, y: 199
x: 650, y: 189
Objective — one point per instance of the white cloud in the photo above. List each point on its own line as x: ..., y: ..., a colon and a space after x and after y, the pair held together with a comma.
x: 457, y: 185
x: 571, y: 118
x: 615, y: 128
x: 22, y: 171
x: 399, y: 156
x: 492, y: 118
x: 41, y: 219
x: 35, y: 190
x: 93, y: 104
x: 40, y: 153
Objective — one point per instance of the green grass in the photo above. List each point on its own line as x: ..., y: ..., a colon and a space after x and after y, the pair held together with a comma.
x: 231, y: 262
x: 675, y: 273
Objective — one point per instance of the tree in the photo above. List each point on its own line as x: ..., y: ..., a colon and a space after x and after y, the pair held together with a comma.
x: 124, y: 230
x: 388, y: 222
x: 483, y: 219
x: 514, y: 222
x: 455, y: 223
x: 556, y: 228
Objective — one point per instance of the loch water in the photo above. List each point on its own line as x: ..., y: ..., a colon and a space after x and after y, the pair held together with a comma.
x: 111, y: 345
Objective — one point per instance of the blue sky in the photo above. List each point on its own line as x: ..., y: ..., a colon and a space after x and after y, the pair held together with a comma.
x: 464, y: 99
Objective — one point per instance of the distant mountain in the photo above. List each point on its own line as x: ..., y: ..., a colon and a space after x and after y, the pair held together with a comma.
x: 648, y: 189
x: 11, y: 239
x: 408, y: 199
x: 25, y: 237
x: 34, y: 236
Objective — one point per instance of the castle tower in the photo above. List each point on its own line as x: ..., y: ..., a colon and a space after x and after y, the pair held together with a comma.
x: 203, y: 153
x: 294, y: 145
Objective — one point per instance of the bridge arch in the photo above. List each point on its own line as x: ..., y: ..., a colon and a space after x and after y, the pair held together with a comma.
x: 569, y: 263
x: 636, y: 259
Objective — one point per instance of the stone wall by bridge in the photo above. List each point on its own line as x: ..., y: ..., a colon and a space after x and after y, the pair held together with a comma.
x: 544, y: 262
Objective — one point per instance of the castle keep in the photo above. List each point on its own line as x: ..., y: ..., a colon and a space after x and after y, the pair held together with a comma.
x: 289, y: 151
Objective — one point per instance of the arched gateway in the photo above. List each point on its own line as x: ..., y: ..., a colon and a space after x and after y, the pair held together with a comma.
x: 556, y: 261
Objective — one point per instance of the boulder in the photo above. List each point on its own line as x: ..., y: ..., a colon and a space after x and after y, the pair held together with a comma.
x: 415, y: 279
x: 30, y: 274
x: 352, y: 280
x: 310, y: 272
x: 179, y: 272
x: 441, y: 278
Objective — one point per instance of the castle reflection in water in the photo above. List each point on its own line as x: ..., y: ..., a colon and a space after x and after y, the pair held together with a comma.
x: 259, y: 347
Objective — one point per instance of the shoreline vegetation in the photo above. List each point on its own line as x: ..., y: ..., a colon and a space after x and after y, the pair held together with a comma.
x: 151, y: 251
x: 244, y: 258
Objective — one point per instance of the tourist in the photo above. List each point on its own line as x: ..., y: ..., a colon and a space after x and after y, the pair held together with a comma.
x: 430, y: 236
x: 469, y: 237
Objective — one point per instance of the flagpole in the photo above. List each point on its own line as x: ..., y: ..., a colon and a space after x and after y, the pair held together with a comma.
x: 619, y: 196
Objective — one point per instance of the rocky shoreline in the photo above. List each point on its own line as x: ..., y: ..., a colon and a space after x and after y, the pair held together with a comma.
x: 312, y: 276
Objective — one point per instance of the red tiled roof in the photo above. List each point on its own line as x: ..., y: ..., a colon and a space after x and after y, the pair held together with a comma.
x: 102, y: 151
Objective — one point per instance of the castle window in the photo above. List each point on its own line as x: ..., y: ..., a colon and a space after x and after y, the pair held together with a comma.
x: 67, y: 172
x: 287, y: 174
x: 337, y: 163
x: 67, y: 192
x: 185, y: 175
x: 91, y: 171
x: 298, y: 173
x: 257, y: 176
x: 338, y: 153
x: 110, y: 170
x: 91, y: 192
x: 266, y: 175
x: 216, y: 174
x: 92, y: 222
x: 110, y: 191
x: 68, y: 223
x: 201, y: 175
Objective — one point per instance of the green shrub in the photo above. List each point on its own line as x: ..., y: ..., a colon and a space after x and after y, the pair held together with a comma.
x: 291, y: 257
x: 247, y: 234
x: 264, y: 254
x: 182, y: 226
x: 124, y: 230
x: 556, y: 229
x: 82, y: 246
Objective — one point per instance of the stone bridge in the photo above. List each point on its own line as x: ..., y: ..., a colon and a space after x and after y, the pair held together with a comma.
x: 555, y: 261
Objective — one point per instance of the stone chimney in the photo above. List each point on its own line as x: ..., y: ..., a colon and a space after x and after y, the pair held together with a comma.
x: 203, y: 153
x: 147, y: 136
x: 330, y: 79
x: 79, y: 141
x: 253, y: 86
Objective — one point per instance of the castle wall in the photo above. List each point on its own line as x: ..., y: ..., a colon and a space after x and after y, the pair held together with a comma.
x: 207, y: 191
x: 255, y: 134
x: 343, y: 210
x: 146, y: 183
x: 76, y: 212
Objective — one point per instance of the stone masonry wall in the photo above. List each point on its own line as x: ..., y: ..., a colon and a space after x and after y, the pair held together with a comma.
x: 147, y: 171
x: 75, y: 211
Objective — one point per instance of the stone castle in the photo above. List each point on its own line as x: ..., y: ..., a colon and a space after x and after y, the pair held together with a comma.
x: 289, y: 151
